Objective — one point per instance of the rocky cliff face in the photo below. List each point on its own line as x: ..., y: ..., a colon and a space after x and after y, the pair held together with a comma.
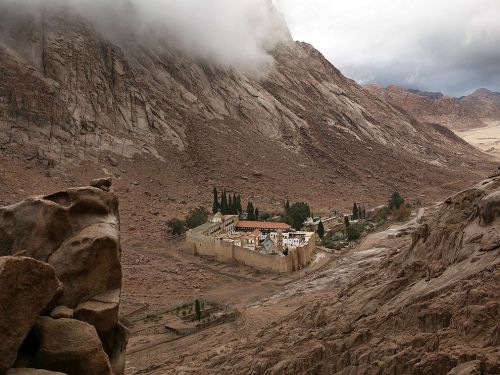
x: 479, y: 109
x: 68, y: 96
x: 60, y: 284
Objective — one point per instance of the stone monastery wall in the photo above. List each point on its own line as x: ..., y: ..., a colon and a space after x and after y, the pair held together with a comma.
x: 225, y: 251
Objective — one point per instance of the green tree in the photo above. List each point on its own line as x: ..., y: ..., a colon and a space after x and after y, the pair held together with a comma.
x: 287, y: 206
x: 197, y: 309
x: 224, y: 203
x: 321, y: 229
x: 265, y: 216
x: 346, y: 221
x: 234, y: 205
x: 396, y: 201
x: 215, y: 205
x: 355, y: 212
x: 196, y: 217
x: 257, y: 214
x: 177, y: 227
x: 297, y: 214
x: 239, y: 208
x: 230, y: 205
x: 250, y: 211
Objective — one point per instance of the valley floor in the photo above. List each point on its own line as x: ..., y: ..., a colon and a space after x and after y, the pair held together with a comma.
x: 262, y: 299
x: 487, y: 139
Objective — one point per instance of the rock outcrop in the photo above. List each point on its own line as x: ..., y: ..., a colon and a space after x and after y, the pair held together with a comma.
x: 27, y: 286
x: 59, y: 301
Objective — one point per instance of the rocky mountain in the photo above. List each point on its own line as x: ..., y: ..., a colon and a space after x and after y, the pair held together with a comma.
x: 479, y: 109
x: 69, y: 96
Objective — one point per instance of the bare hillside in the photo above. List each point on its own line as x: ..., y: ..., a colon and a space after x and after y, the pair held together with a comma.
x: 479, y: 109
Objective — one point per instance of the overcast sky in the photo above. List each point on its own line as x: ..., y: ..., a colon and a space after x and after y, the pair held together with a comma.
x: 451, y: 46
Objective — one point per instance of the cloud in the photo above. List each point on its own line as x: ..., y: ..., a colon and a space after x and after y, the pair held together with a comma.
x: 237, y: 34
x: 446, y: 45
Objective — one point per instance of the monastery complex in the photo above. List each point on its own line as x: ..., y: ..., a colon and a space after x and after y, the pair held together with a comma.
x: 269, y: 246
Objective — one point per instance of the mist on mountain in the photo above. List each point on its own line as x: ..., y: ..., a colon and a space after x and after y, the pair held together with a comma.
x: 234, y: 34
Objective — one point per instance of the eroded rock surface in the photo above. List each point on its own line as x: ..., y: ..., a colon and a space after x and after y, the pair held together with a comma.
x: 27, y: 286
x: 70, y: 346
x: 70, y: 274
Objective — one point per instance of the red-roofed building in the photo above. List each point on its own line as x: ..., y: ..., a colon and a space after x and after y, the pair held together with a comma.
x: 263, y: 226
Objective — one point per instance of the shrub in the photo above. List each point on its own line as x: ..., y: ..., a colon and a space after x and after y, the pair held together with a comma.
x: 396, y: 201
x: 401, y: 213
x: 354, y: 232
x: 196, y: 217
x: 177, y: 227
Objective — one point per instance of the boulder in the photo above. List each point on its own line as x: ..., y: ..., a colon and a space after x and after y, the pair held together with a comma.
x: 100, y: 311
x: 102, y: 183
x: 70, y: 346
x: 76, y: 231
x: 27, y: 286
x: 115, y: 343
x: 88, y: 263
x: 31, y: 371
x: 62, y: 312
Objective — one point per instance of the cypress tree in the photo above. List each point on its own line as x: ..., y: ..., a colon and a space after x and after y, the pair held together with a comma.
x: 230, y: 205
x: 215, y: 205
x: 287, y: 206
x: 235, y: 204
x: 226, y: 202
x: 321, y: 229
x: 346, y: 221
x: 197, y: 309
x: 223, y: 202
x: 250, y: 211
x: 355, y: 214
x: 239, y: 207
x: 257, y: 214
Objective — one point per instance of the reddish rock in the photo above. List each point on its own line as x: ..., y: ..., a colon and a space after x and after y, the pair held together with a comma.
x: 27, y: 286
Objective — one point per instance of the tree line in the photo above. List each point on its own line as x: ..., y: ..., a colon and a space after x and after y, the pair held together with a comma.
x: 230, y: 204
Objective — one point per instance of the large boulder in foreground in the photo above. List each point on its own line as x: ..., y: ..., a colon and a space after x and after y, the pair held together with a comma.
x: 76, y: 231
x: 70, y: 346
x: 27, y: 286
x: 72, y: 236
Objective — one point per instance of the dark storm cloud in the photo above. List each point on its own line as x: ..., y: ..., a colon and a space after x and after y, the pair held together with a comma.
x: 446, y: 45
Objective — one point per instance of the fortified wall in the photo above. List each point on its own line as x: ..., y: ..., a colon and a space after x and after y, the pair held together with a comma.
x: 225, y: 251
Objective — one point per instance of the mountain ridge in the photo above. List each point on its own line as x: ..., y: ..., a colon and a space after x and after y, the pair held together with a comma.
x: 478, y: 109
x: 69, y: 96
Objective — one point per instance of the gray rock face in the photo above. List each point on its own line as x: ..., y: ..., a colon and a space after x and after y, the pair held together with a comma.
x: 27, y: 286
